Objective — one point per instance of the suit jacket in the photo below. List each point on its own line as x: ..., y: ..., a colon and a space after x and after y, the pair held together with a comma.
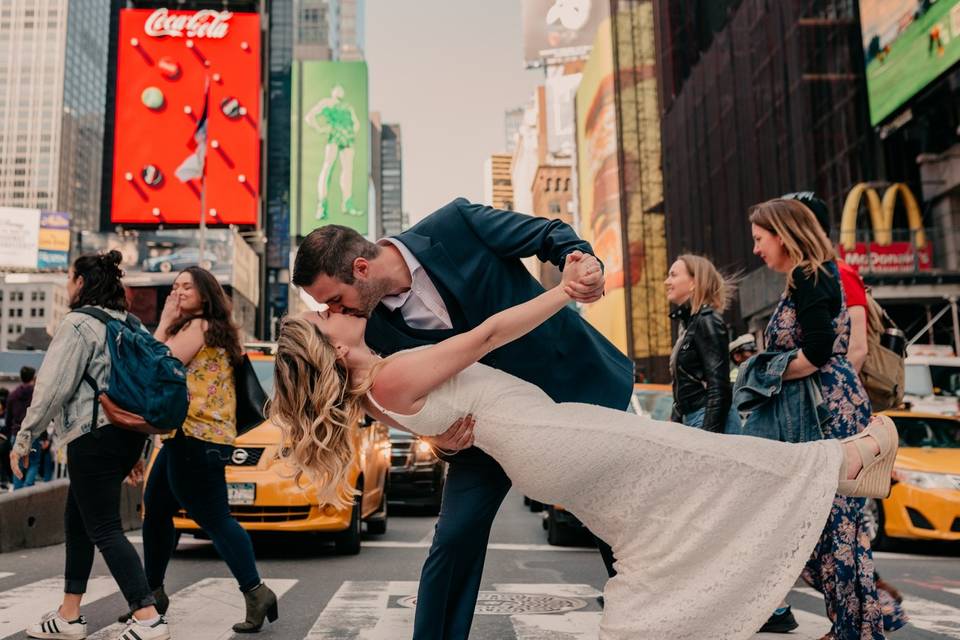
x: 472, y: 253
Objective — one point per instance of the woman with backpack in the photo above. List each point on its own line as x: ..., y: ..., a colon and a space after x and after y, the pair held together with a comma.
x: 189, y: 470
x: 99, y: 454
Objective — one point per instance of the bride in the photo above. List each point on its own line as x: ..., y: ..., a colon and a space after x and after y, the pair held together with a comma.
x: 710, y: 530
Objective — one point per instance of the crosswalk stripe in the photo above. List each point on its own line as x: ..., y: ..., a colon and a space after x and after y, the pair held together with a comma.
x: 353, y: 611
x: 6, y: 574
x: 23, y: 606
x: 205, y: 610
x: 931, y: 616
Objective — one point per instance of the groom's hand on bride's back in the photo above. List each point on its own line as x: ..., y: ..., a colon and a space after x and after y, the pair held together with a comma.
x: 457, y: 438
x: 583, y: 278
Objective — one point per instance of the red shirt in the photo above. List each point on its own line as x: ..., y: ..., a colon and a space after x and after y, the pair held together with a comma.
x: 853, y: 288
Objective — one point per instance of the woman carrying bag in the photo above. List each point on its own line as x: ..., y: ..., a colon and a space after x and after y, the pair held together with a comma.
x: 189, y: 470
x: 99, y: 454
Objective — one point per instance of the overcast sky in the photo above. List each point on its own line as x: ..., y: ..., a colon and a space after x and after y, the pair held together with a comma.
x: 446, y: 71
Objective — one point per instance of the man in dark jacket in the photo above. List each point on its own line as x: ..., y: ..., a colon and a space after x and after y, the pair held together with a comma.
x: 446, y: 275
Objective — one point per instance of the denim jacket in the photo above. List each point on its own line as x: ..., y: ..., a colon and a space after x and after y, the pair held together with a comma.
x: 60, y: 393
x: 778, y: 409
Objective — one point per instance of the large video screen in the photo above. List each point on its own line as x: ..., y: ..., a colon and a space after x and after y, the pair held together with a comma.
x: 165, y: 60
x: 907, y: 44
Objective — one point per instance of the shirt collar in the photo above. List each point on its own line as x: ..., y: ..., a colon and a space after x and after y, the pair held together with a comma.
x: 394, y: 302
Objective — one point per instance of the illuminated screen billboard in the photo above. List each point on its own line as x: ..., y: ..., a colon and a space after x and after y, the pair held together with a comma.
x: 330, y: 141
x: 165, y: 59
x: 907, y: 44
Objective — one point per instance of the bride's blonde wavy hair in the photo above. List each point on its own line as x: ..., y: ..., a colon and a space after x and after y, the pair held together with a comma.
x: 317, y: 407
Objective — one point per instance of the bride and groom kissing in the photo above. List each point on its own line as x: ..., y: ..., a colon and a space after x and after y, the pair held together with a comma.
x: 506, y: 378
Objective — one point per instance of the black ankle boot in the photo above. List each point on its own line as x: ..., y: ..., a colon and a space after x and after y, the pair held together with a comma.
x: 261, y: 603
x: 162, y: 604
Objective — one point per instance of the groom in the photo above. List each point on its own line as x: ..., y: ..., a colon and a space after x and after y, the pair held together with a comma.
x: 446, y: 275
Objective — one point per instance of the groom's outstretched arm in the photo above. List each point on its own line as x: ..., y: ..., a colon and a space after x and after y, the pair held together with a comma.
x: 516, y: 235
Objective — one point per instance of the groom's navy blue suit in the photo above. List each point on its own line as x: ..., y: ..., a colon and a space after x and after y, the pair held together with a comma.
x: 472, y: 254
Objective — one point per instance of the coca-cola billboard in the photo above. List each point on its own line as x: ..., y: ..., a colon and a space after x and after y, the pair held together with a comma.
x: 202, y: 24
x: 165, y: 59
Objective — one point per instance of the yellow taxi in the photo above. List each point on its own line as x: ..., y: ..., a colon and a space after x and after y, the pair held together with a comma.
x: 924, y: 503
x: 263, y: 495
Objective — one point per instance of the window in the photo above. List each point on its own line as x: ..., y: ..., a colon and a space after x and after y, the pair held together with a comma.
x: 33, y: 313
x: 42, y: 312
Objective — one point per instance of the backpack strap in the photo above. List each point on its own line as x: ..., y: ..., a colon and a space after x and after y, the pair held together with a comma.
x: 95, y: 312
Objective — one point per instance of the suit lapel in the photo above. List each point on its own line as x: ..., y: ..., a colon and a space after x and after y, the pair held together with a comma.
x: 442, y: 270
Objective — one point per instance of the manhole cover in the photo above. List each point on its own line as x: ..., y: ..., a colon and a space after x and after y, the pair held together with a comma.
x: 496, y: 603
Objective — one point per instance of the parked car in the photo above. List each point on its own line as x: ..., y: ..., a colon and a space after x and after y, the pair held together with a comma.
x: 563, y: 528
x: 924, y: 502
x: 180, y: 259
x: 652, y: 401
x: 264, y: 496
x: 416, y: 473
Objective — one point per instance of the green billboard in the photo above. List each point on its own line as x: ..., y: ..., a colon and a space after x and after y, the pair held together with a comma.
x: 329, y: 159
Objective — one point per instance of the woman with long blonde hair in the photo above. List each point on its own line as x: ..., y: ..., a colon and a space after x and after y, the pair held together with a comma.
x: 775, y: 496
x: 700, y: 363
x: 812, y: 319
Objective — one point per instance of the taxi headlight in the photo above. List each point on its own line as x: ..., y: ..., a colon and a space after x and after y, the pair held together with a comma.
x: 925, y: 480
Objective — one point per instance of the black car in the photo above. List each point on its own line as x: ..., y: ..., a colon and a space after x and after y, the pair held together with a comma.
x: 416, y: 473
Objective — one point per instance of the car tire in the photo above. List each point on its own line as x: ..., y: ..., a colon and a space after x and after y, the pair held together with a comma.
x: 874, y: 522
x: 558, y: 534
x: 536, y: 507
x: 526, y: 501
x: 347, y: 542
x: 377, y: 523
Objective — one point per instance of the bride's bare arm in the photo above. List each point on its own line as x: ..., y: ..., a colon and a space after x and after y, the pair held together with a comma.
x: 406, y: 379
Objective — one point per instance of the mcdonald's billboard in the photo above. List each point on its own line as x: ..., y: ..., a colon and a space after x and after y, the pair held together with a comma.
x: 883, y: 254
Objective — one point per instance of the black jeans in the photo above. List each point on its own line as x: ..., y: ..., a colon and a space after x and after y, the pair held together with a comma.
x: 98, y: 462
x: 189, y: 472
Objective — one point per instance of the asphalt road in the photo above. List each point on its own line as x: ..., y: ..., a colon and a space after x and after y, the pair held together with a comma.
x: 530, y: 591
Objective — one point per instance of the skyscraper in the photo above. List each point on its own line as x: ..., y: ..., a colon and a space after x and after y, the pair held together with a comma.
x: 391, y: 180
x: 53, y: 92
x: 497, y: 183
x: 512, y: 120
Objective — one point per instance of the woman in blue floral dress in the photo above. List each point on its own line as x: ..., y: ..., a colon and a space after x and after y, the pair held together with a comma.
x: 812, y: 317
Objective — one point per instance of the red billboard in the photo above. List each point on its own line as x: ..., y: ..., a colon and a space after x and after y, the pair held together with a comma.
x: 165, y: 60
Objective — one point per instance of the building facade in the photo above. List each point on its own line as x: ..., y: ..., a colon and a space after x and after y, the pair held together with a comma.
x: 31, y: 303
x: 392, y: 218
x: 53, y: 94
x: 498, y: 183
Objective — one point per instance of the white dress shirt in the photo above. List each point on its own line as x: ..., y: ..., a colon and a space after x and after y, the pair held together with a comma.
x: 421, y: 306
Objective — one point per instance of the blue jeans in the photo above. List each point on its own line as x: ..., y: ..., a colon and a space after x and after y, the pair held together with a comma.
x: 695, y: 419
x: 30, y: 472
x: 190, y: 473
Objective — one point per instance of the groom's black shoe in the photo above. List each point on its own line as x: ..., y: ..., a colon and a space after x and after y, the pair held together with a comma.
x: 780, y: 623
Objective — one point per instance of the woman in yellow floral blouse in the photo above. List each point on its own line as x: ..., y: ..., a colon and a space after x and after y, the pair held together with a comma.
x: 189, y: 470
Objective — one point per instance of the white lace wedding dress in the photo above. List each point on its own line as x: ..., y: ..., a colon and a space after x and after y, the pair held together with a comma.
x: 710, y: 531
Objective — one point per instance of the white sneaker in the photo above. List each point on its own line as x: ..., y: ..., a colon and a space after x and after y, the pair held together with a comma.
x: 139, y: 631
x: 52, y: 626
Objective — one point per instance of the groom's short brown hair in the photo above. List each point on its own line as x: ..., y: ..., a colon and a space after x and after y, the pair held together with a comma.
x: 331, y: 250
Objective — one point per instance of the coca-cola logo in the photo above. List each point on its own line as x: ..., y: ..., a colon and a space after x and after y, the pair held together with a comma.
x: 202, y: 24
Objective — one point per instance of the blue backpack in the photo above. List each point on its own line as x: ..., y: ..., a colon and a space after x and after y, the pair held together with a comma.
x: 147, y: 388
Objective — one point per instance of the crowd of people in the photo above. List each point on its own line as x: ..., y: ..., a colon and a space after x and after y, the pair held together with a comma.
x: 441, y: 331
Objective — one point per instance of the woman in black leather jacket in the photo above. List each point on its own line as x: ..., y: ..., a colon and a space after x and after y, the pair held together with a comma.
x: 700, y: 363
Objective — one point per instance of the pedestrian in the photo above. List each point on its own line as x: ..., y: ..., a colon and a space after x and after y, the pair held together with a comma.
x: 17, y: 405
x: 6, y: 442
x: 189, y: 470
x: 741, y: 350
x: 855, y: 296
x: 811, y: 317
x: 709, y: 530
x: 699, y: 362
x: 99, y: 455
